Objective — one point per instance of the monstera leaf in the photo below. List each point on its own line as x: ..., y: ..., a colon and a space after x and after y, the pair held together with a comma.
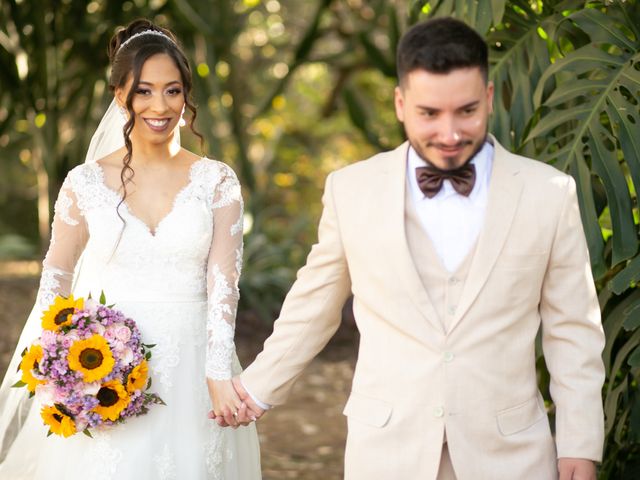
x: 518, y: 56
x: 587, y: 124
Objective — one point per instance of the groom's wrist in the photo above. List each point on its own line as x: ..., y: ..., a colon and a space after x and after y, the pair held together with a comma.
x: 260, y: 403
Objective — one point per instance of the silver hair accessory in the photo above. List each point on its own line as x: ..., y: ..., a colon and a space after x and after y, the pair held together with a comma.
x: 144, y: 32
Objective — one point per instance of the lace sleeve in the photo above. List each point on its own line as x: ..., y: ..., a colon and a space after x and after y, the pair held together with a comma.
x: 68, y: 239
x: 223, y: 273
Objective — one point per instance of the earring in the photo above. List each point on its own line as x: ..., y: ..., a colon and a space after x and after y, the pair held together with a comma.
x: 123, y: 111
x: 182, y: 122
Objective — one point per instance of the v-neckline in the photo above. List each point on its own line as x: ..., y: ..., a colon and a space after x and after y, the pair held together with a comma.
x: 153, y: 232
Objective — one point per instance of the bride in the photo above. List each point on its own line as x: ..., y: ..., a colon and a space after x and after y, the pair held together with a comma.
x: 159, y: 230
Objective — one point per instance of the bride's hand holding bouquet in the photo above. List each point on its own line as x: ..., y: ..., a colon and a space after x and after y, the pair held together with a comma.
x: 88, y: 369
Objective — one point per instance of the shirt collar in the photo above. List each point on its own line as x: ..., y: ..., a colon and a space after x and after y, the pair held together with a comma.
x: 482, y: 161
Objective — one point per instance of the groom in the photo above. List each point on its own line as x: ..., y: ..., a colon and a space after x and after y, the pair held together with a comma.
x: 456, y: 252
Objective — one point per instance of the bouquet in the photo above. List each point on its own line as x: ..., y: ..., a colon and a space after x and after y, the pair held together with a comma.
x: 89, y: 367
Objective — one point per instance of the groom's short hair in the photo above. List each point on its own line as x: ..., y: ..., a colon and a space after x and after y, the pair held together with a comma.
x: 441, y: 45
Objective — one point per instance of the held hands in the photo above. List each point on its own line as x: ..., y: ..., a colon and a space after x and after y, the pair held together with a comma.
x: 232, y: 405
x: 225, y: 401
x: 576, y: 469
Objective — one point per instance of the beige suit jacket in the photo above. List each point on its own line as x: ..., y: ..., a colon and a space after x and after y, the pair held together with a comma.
x: 478, y: 382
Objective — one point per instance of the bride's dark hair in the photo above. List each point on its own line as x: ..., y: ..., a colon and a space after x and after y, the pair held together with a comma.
x: 127, y: 61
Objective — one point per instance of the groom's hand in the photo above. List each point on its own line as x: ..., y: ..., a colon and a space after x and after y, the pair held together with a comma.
x: 252, y: 411
x: 576, y: 469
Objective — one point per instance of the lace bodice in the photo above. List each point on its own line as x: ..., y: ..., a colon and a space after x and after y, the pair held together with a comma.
x: 194, y: 254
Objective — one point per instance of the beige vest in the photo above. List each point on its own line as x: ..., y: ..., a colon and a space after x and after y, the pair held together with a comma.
x: 444, y: 288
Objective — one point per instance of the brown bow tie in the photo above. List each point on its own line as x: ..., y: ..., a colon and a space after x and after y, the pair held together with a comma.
x: 462, y: 179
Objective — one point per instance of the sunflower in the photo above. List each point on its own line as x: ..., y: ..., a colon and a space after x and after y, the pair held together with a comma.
x: 28, y: 363
x: 92, y: 357
x: 113, y: 400
x: 59, y: 422
x: 138, y: 377
x: 59, y: 314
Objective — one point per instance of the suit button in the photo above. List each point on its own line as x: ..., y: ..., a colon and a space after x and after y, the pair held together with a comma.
x: 451, y: 309
x: 448, y: 356
x: 453, y: 281
x: 438, y: 412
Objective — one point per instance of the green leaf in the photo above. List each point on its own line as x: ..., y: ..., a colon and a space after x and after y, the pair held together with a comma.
x: 632, y: 320
x: 497, y: 9
x: 634, y: 359
x: 595, y: 242
x: 87, y: 433
x: 634, y: 420
x: 482, y: 11
x: 612, y: 323
x: 103, y: 298
x: 19, y: 384
x: 607, y: 167
x: 611, y: 406
x: 622, y: 281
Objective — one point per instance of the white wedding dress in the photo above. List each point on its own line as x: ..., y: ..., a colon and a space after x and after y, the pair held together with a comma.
x: 179, y: 284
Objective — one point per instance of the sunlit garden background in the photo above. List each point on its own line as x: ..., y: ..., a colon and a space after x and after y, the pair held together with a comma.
x: 290, y: 90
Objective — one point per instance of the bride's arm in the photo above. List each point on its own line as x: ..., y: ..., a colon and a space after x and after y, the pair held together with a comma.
x: 69, y: 236
x: 223, y: 273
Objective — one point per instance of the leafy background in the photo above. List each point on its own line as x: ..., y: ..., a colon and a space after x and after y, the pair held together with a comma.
x: 288, y: 91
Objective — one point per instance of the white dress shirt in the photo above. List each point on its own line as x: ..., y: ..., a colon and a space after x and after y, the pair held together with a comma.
x: 452, y: 221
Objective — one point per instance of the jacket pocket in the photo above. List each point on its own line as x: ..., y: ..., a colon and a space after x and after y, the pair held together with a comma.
x: 368, y: 410
x: 516, y: 419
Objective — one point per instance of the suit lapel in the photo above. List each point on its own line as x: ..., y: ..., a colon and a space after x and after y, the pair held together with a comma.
x: 505, y: 188
x: 399, y: 253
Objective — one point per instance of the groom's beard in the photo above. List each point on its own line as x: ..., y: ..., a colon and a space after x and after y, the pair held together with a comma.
x: 451, y: 162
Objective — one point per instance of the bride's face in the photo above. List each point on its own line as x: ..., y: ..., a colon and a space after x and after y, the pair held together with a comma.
x: 158, y: 102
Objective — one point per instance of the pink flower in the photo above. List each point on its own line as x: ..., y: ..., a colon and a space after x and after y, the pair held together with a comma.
x: 91, y: 305
x: 46, y: 393
x: 122, y: 333
x: 48, y: 337
x: 98, y: 329
x: 125, y: 354
x: 70, y: 338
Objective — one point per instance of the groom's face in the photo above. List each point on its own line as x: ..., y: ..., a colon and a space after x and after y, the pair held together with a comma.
x: 445, y: 115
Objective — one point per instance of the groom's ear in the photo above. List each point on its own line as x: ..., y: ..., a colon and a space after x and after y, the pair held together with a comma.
x: 490, y: 91
x: 399, y: 103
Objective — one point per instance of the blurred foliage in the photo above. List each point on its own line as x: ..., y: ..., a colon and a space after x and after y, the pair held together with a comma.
x: 279, y: 86
x: 289, y: 90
